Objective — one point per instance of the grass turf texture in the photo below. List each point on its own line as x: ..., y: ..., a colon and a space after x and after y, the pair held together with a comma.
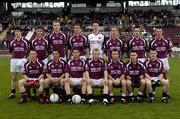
x: 9, y: 109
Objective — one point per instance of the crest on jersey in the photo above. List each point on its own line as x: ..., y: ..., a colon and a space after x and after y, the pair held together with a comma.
x: 37, y: 67
x: 22, y: 45
x: 30, y: 67
x: 14, y: 44
x: 59, y: 66
x: 163, y: 44
x: 72, y: 63
x: 133, y: 43
x: 43, y: 43
x: 73, y: 40
x: 110, y: 43
x: 99, y: 37
x: 150, y: 65
x: 35, y: 43
x: 80, y: 63
x: 130, y: 68
x: 155, y: 44
x: 53, y: 37
x: 111, y: 67
x: 52, y: 66
x: 92, y: 65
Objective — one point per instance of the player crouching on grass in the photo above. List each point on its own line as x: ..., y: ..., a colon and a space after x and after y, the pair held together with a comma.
x: 135, y: 77
x: 55, y: 73
x: 116, y: 76
x: 154, y: 76
x: 33, y: 77
x: 75, y: 76
x: 96, y: 73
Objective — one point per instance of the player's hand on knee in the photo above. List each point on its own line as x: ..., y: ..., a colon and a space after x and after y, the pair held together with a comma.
x: 66, y: 80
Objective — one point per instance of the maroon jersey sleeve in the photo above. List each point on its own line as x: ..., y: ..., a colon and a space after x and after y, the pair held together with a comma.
x: 142, y: 69
x: 25, y: 72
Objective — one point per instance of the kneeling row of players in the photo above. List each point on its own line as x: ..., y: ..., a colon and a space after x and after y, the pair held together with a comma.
x: 95, y: 72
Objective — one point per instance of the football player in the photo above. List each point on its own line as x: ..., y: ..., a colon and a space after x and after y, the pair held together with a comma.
x: 96, y: 39
x: 114, y: 43
x: 55, y: 73
x: 18, y: 48
x: 138, y: 44
x: 75, y: 76
x: 32, y: 77
x: 135, y: 77
x: 57, y: 40
x: 97, y: 75
x: 79, y: 41
x: 41, y: 45
x: 116, y: 75
x: 154, y: 75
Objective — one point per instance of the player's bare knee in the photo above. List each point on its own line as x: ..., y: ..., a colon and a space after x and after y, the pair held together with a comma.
x: 148, y: 83
x: 143, y: 82
x: 105, y: 82
x: 123, y: 82
x: 128, y: 82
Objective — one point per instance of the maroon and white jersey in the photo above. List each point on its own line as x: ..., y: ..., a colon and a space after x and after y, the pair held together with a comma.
x: 154, y: 68
x: 162, y: 47
x: 41, y: 46
x: 96, y: 68
x: 56, y: 69
x: 78, y: 41
x: 34, y: 70
x: 76, y: 68
x: 139, y: 46
x: 134, y: 70
x: 116, y: 69
x: 114, y: 44
x: 58, y: 42
x: 19, y: 48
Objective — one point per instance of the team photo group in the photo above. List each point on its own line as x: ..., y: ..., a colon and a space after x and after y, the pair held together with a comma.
x: 54, y: 63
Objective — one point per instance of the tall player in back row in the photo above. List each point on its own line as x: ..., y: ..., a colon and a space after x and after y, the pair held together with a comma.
x: 79, y: 41
x: 114, y: 43
x: 138, y: 44
x: 96, y: 39
x: 18, y: 47
x: 57, y: 40
x: 41, y: 45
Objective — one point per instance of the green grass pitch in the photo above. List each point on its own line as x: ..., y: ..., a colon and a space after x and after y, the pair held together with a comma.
x: 9, y: 109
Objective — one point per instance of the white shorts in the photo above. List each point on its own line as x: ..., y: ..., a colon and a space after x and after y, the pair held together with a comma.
x: 76, y: 81
x: 97, y: 82
x: 45, y: 61
x: 33, y: 79
x: 17, y: 65
x: 155, y: 79
x: 141, y: 60
x: 165, y: 63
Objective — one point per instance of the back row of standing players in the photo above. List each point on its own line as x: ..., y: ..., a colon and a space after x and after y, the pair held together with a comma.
x: 45, y: 45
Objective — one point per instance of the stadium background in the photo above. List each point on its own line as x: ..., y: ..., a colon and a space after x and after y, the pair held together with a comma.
x: 124, y: 13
